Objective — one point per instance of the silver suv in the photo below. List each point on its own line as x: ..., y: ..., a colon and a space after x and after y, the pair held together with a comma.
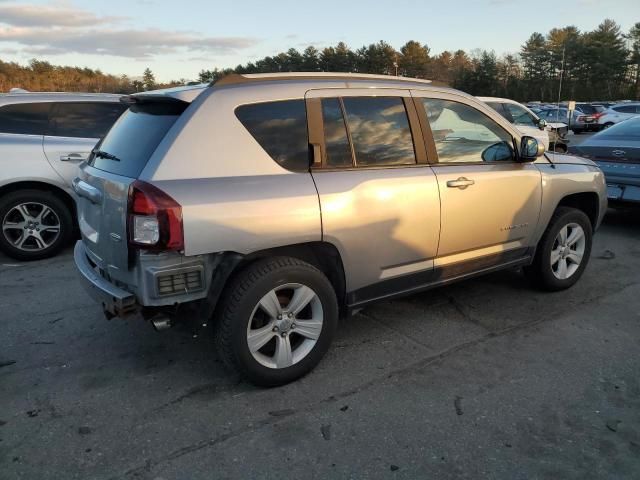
x: 43, y: 139
x: 273, y: 204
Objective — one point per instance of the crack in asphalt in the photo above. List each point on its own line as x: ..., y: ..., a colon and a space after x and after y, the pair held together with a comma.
x: 208, y: 388
x: 399, y: 372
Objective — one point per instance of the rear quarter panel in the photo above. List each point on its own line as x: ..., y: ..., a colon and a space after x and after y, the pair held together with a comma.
x: 246, y: 214
x: 234, y: 196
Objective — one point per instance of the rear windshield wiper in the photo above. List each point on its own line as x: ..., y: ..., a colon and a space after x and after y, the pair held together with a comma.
x: 103, y: 154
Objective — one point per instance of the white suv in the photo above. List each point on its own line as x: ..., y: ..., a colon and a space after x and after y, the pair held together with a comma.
x: 551, y: 135
x: 618, y: 113
x: 43, y: 139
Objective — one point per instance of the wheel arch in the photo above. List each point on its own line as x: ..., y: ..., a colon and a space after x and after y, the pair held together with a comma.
x: 587, y: 202
x: 322, y: 255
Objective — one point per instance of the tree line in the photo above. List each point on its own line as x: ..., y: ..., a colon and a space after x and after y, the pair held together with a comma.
x: 602, y: 64
x: 42, y: 76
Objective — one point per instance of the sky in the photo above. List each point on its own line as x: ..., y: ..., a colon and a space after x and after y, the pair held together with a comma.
x: 178, y: 39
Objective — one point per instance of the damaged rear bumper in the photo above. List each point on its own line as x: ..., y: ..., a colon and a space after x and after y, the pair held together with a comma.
x: 115, y: 301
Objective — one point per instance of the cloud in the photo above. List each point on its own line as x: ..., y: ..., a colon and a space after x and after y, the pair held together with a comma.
x: 50, y: 16
x: 61, y: 30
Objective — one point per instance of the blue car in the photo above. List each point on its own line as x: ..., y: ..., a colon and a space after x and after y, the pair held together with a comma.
x: 617, y: 151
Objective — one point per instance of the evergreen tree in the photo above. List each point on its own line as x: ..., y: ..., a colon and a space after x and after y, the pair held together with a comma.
x: 634, y: 60
x: 535, y: 63
x: 148, y: 79
x: 414, y: 61
x: 310, y: 59
x: 607, y: 56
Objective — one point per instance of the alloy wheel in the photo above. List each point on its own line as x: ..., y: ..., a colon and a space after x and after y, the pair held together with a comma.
x: 285, y: 325
x: 568, y: 251
x: 31, y: 226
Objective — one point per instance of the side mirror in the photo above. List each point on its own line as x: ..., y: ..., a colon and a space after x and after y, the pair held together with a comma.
x: 542, y: 123
x: 530, y: 149
x: 498, y: 152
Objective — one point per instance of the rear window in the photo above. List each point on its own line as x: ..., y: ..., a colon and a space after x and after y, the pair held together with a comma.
x: 84, y: 119
x: 588, y: 109
x: 25, y: 118
x: 135, y: 136
x: 627, y: 128
x: 281, y: 129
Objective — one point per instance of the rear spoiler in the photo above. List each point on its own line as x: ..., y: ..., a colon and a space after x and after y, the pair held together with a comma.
x: 137, y: 99
x: 184, y: 94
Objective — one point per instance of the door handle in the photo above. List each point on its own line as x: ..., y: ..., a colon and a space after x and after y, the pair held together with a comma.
x: 73, y: 157
x: 83, y: 189
x: 460, y: 183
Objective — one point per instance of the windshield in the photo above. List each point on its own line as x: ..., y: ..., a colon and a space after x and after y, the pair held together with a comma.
x: 521, y: 116
x: 134, y: 137
x: 557, y: 115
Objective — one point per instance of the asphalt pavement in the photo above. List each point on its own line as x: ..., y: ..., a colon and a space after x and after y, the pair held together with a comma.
x: 483, y: 379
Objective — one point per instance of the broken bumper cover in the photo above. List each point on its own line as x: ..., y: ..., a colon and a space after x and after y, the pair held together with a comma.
x: 114, y: 300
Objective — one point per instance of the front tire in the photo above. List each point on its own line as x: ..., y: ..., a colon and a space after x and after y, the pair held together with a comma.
x: 563, y: 251
x: 35, y: 224
x: 277, y: 322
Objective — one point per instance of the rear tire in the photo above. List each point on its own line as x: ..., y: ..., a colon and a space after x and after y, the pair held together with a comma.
x: 563, y: 251
x: 261, y: 330
x: 36, y: 224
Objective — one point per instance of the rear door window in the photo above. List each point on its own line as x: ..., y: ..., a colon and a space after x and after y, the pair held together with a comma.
x: 84, y: 119
x: 380, y: 131
x: 336, y: 140
x: 135, y: 136
x: 281, y: 130
x: 25, y: 118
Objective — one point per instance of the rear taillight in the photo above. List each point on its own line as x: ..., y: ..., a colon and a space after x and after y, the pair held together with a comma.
x: 596, y: 116
x: 154, y: 219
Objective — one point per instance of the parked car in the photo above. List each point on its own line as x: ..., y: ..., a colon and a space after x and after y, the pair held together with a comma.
x: 603, y: 104
x: 578, y: 123
x: 550, y: 134
x: 43, y: 139
x: 277, y: 202
x: 596, y: 111
x: 617, y: 151
x: 619, y: 112
x: 606, y: 105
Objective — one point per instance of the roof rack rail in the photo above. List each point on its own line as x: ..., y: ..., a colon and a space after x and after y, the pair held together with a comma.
x: 237, y: 78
